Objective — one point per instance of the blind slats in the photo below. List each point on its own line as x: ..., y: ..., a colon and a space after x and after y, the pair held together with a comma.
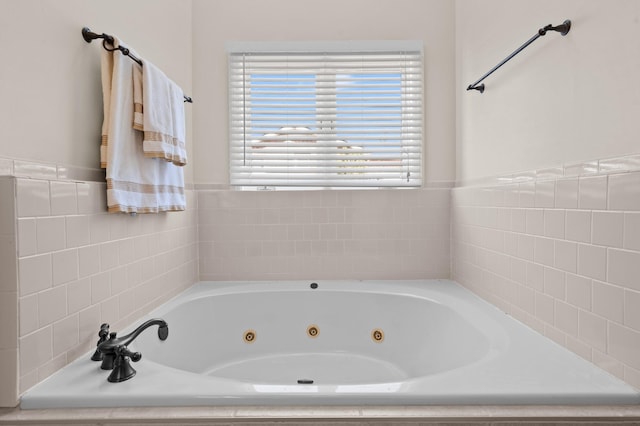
x: 326, y: 119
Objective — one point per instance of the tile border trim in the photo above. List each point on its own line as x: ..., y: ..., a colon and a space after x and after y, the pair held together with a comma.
x: 612, y: 165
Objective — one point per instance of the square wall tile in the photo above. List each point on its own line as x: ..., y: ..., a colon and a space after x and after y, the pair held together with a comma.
x: 535, y: 221
x: 52, y: 305
x: 525, y: 299
x: 565, y: 255
x: 607, y: 228
x: 544, y: 308
x: 567, y: 193
x: 83, y: 198
x: 624, y: 268
x: 108, y: 255
x: 592, y: 193
x: 566, y: 318
x: 77, y: 229
x: 65, y: 334
x: 100, y: 287
x: 535, y: 276
x: 527, y: 192
x: 88, y: 260
x: 578, y: 225
x: 78, y: 295
x: 50, y: 234
x: 99, y: 228
x: 624, y: 191
x: 579, y: 290
x: 89, y: 323
x: 65, y: 266
x: 592, y: 329
x: 34, y: 274
x: 35, y: 350
x: 608, y: 301
x: 92, y: 197
x: 555, y: 283
x: 519, y: 220
x: 544, y: 251
x: 63, y: 198
x: 554, y: 223
x: 592, y: 261
x: 545, y: 193
x: 33, y: 197
x: 526, y: 245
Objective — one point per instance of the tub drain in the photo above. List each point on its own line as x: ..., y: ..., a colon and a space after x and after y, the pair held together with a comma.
x: 313, y: 331
x: 249, y: 336
x: 377, y: 335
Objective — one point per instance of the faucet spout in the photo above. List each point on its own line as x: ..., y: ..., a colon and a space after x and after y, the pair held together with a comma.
x: 109, y: 346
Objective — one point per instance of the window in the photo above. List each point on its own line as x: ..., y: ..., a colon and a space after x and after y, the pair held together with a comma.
x: 339, y: 119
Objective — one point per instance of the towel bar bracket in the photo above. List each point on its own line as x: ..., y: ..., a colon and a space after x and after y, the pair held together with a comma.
x: 563, y: 28
x: 89, y: 36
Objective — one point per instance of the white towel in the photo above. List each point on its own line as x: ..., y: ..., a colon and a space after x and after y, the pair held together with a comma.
x: 135, y: 184
x: 163, y: 118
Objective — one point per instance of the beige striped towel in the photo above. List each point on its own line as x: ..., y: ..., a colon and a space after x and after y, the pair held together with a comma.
x: 159, y: 113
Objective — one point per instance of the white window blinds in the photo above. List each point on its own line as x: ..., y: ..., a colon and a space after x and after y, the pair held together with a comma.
x: 338, y: 119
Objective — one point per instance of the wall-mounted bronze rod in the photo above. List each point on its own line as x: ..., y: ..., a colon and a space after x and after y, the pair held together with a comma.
x: 89, y: 36
x: 562, y: 29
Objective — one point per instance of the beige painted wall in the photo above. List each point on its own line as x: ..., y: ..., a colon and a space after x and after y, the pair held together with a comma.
x: 51, y: 103
x: 216, y: 22
x: 562, y: 100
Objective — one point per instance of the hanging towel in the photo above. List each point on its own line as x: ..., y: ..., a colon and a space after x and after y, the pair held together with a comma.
x: 138, y: 110
x: 135, y: 184
x: 163, y: 117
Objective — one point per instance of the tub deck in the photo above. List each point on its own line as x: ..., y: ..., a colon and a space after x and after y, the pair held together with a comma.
x: 516, y: 367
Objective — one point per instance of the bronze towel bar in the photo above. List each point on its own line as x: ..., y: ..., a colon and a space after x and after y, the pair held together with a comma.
x: 89, y: 36
x: 562, y: 29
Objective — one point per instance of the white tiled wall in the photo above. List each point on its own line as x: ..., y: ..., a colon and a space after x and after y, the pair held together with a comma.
x: 339, y: 234
x: 78, y: 267
x: 561, y: 254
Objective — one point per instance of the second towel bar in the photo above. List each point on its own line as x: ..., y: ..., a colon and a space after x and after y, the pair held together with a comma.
x: 563, y: 29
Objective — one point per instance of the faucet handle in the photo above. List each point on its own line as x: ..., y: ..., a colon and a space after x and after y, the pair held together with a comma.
x: 124, y: 351
x: 104, y: 331
x: 102, y: 334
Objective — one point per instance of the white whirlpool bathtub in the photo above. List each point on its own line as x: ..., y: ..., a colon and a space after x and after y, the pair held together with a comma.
x: 342, y: 343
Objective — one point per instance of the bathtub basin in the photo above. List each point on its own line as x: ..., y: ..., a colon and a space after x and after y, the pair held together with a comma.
x: 340, y: 343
